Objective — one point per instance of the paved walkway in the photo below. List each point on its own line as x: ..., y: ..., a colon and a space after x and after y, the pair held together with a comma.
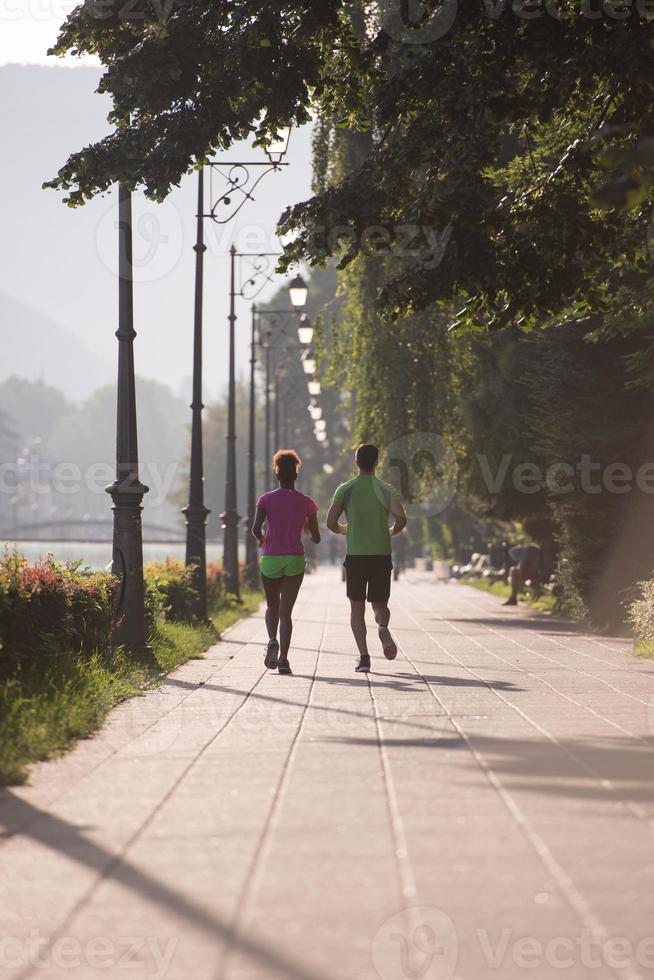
x: 481, y: 807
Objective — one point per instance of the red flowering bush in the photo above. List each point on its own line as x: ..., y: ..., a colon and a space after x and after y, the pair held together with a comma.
x: 51, y: 608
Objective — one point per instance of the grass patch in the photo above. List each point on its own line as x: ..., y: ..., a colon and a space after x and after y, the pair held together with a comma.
x: 546, y: 602
x: 232, y: 611
x: 46, y: 709
x: 644, y: 648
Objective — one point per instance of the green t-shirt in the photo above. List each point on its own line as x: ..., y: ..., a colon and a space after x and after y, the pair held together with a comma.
x: 367, y: 504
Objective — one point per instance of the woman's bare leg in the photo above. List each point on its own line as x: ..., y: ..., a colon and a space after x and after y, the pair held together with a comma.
x: 272, y: 588
x: 290, y: 588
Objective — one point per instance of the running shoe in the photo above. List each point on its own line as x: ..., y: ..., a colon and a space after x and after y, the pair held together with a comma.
x: 388, y: 643
x: 363, y: 664
x: 272, y: 652
x: 284, y: 667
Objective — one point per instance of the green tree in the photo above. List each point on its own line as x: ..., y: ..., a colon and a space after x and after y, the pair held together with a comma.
x: 188, y: 79
x: 32, y: 409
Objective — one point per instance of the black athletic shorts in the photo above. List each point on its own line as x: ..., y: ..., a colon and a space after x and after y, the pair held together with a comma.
x: 368, y: 577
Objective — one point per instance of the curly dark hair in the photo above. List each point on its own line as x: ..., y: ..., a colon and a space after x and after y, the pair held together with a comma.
x: 286, y: 464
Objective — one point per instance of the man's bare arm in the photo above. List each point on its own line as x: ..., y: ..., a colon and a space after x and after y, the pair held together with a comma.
x: 398, y: 512
x: 335, y: 512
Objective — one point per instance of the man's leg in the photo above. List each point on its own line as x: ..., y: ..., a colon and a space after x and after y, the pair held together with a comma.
x: 357, y: 583
x: 358, y: 624
x: 379, y: 591
x: 515, y: 580
x: 382, y: 613
x: 382, y: 618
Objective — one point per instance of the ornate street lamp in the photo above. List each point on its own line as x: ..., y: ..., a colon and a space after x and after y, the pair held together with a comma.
x: 298, y: 292
x: 249, y: 287
x: 251, y: 562
x: 309, y: 362
x: 280, y: 320
x: 127, y: 491
x: 278, y: 149
x: 305, y: 330
x: 239, y: 179
x: 195, y: 512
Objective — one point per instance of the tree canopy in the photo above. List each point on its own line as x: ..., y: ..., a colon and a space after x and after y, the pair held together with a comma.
x: 190, y: 78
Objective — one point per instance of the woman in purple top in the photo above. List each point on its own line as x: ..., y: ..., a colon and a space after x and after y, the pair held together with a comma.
x: 286, y: 513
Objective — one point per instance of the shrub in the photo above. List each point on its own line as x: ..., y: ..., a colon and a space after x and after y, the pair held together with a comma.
x: 640, y: 612
x: 215, y: 586
x: 51, y: 607
x: 168, y: 590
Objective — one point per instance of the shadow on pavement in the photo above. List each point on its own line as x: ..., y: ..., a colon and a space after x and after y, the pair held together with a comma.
x: 541, y: 766
x: 65, y: 838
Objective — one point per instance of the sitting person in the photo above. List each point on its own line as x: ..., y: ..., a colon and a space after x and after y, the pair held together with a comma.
x: 525, y: 567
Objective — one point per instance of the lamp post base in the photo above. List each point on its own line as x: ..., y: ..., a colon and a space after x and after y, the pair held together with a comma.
x: 230, y: 522
x: 196, y: 555
x: 129, y: 629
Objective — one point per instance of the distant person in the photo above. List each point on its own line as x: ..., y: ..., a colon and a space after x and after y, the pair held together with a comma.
x: 367, y: 503
x: 525, y: 566
x: 286, y: 513
x: 399, y: 554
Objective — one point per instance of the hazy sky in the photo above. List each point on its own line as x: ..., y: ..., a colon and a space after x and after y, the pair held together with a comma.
x: 29, y: 28
x: 63, y: 262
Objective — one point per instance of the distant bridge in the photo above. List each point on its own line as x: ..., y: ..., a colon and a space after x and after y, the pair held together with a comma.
x: 85, y: 530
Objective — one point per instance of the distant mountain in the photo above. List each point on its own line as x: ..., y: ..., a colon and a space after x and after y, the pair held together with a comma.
x: 36, y: 347
x: 62, y: 261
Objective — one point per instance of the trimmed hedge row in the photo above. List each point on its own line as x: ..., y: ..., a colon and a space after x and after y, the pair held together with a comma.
x: 53, y: 608
x: 49, y: 607
x: 169, y: 589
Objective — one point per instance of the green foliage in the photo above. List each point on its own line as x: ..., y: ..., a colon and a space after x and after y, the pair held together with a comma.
x: 32, y: 409
x: 581, y: 409
x: 169, y: 590
x: 496, y: 134
x: 49, y: 705
x: 191, y: 80
x: 46, y: 707
x: 216, y: 597
x: 50, y: 608
x: 58, y: 676
x: 640, y: 615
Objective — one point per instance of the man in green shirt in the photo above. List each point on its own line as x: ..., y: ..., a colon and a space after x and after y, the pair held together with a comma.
x: 367, y: 503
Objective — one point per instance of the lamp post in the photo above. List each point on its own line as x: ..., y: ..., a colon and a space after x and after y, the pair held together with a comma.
x: 250, y: 543
x: 276, y: 411
x: 298, y: 292
x: 267, y: 478
x: 195, y: 511
x: 239, y: 181
x: 127, y: 491
x: 230, y: 516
